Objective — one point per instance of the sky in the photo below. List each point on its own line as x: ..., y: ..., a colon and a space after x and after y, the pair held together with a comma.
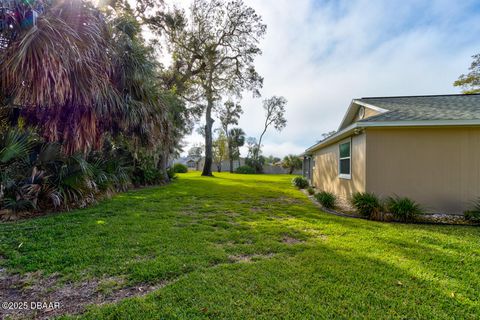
x: 321, y: 54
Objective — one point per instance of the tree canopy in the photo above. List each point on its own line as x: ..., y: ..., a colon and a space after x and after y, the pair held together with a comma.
x: 470, y: 82
x: 213, y: 52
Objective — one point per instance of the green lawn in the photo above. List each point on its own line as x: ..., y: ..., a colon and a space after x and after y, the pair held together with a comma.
x: 251, y: 246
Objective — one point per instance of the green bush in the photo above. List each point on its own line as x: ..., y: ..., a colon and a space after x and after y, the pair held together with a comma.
x: 311, y: 191
x: 367, y: 204
x: 245, y: 170
x: 474, y: 213
x: 404, y: 209
x: 326, y: 199
x: 146, y: 175
x: 180, y: 168
x: 256, y: 164
x: 300, y: 182
x: 172, y: 175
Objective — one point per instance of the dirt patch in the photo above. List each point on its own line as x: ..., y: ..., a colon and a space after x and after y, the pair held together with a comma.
x: 291, y: 240
x: 70, y: 298
x: 239, y: 258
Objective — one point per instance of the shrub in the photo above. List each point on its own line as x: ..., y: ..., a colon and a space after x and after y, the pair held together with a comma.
x: 180, y: 168
x: 256, y: 164
x: 245, y: 170
x: 172, y: 175
x: 474, y: 213
x: 367, y: 204
x: 310, y: 191
x: 404, y: 209
x: 300, y: 182
x: 326, y: 199
x: 146, y: 175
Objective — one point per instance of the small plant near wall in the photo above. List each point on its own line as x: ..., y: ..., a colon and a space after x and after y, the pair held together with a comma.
x: 300, y: 182
x: 326, y: 199
x: 473, y: 214
x: 403, y: 208
x: 311, y: 191
x: 368, y: 205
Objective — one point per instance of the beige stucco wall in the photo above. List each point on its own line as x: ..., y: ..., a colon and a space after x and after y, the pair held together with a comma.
x: 325, y: 172
x: 438, y: 167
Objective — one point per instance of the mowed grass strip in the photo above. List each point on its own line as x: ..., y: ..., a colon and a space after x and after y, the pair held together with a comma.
x: 251, y: 246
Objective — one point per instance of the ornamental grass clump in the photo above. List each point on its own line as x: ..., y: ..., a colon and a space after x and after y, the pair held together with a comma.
x: 300, y: 182
x: 326, y: 199
x: 403, y: 208
x: 473, y: 214
x: 367, y: 204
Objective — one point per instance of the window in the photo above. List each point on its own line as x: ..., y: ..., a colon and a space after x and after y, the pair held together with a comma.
x: 344, y: 165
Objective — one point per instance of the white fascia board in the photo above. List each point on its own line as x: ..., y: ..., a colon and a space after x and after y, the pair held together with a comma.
x: 370, y: 106
x: 419, y: 123
x: 333, y: 138
x: 345, y: 116
x: 359, y: 103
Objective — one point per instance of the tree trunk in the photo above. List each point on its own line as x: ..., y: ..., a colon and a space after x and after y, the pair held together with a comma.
x: 207, y: 167
x: 163, y: 163
x: 257, y: 152
x: 230, y: 157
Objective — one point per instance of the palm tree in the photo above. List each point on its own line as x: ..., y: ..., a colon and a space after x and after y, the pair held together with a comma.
x: 79, y: 77
x: 237, y: 140
x: 292, y: 162
x: 59, y: 74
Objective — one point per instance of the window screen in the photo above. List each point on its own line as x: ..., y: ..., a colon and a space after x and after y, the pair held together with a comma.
x: 345, y: 159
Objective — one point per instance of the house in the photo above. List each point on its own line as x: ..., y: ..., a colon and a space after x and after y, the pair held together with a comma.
x: 426, y: 148
x: 192, y: 164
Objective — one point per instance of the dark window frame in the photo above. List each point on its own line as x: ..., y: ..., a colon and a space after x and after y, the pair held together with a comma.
x: 345, y: 174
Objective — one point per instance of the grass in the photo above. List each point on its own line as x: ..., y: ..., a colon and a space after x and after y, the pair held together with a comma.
x: 251, y: 246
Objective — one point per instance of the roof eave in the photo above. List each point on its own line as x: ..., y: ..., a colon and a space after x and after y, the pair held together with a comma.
x: 333, y: 138
x: 349, y: 115
x: 366, y: 124
x: 420, y: 123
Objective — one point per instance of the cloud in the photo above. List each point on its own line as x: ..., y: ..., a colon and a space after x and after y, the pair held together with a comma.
x: 322, y: 54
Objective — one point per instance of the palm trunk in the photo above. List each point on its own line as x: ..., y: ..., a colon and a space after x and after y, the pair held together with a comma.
x: 230, y: 157
x: 163, y: 163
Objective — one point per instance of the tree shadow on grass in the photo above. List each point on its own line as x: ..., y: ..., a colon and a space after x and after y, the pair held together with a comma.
x: 318, y: 283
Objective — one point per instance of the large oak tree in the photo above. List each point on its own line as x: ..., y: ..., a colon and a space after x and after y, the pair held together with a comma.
x: 213, y: 50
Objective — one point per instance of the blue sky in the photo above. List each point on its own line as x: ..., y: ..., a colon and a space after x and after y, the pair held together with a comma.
x: 320, y: 54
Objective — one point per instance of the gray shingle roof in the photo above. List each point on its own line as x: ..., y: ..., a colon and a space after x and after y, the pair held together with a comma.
x: 441, y: 107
